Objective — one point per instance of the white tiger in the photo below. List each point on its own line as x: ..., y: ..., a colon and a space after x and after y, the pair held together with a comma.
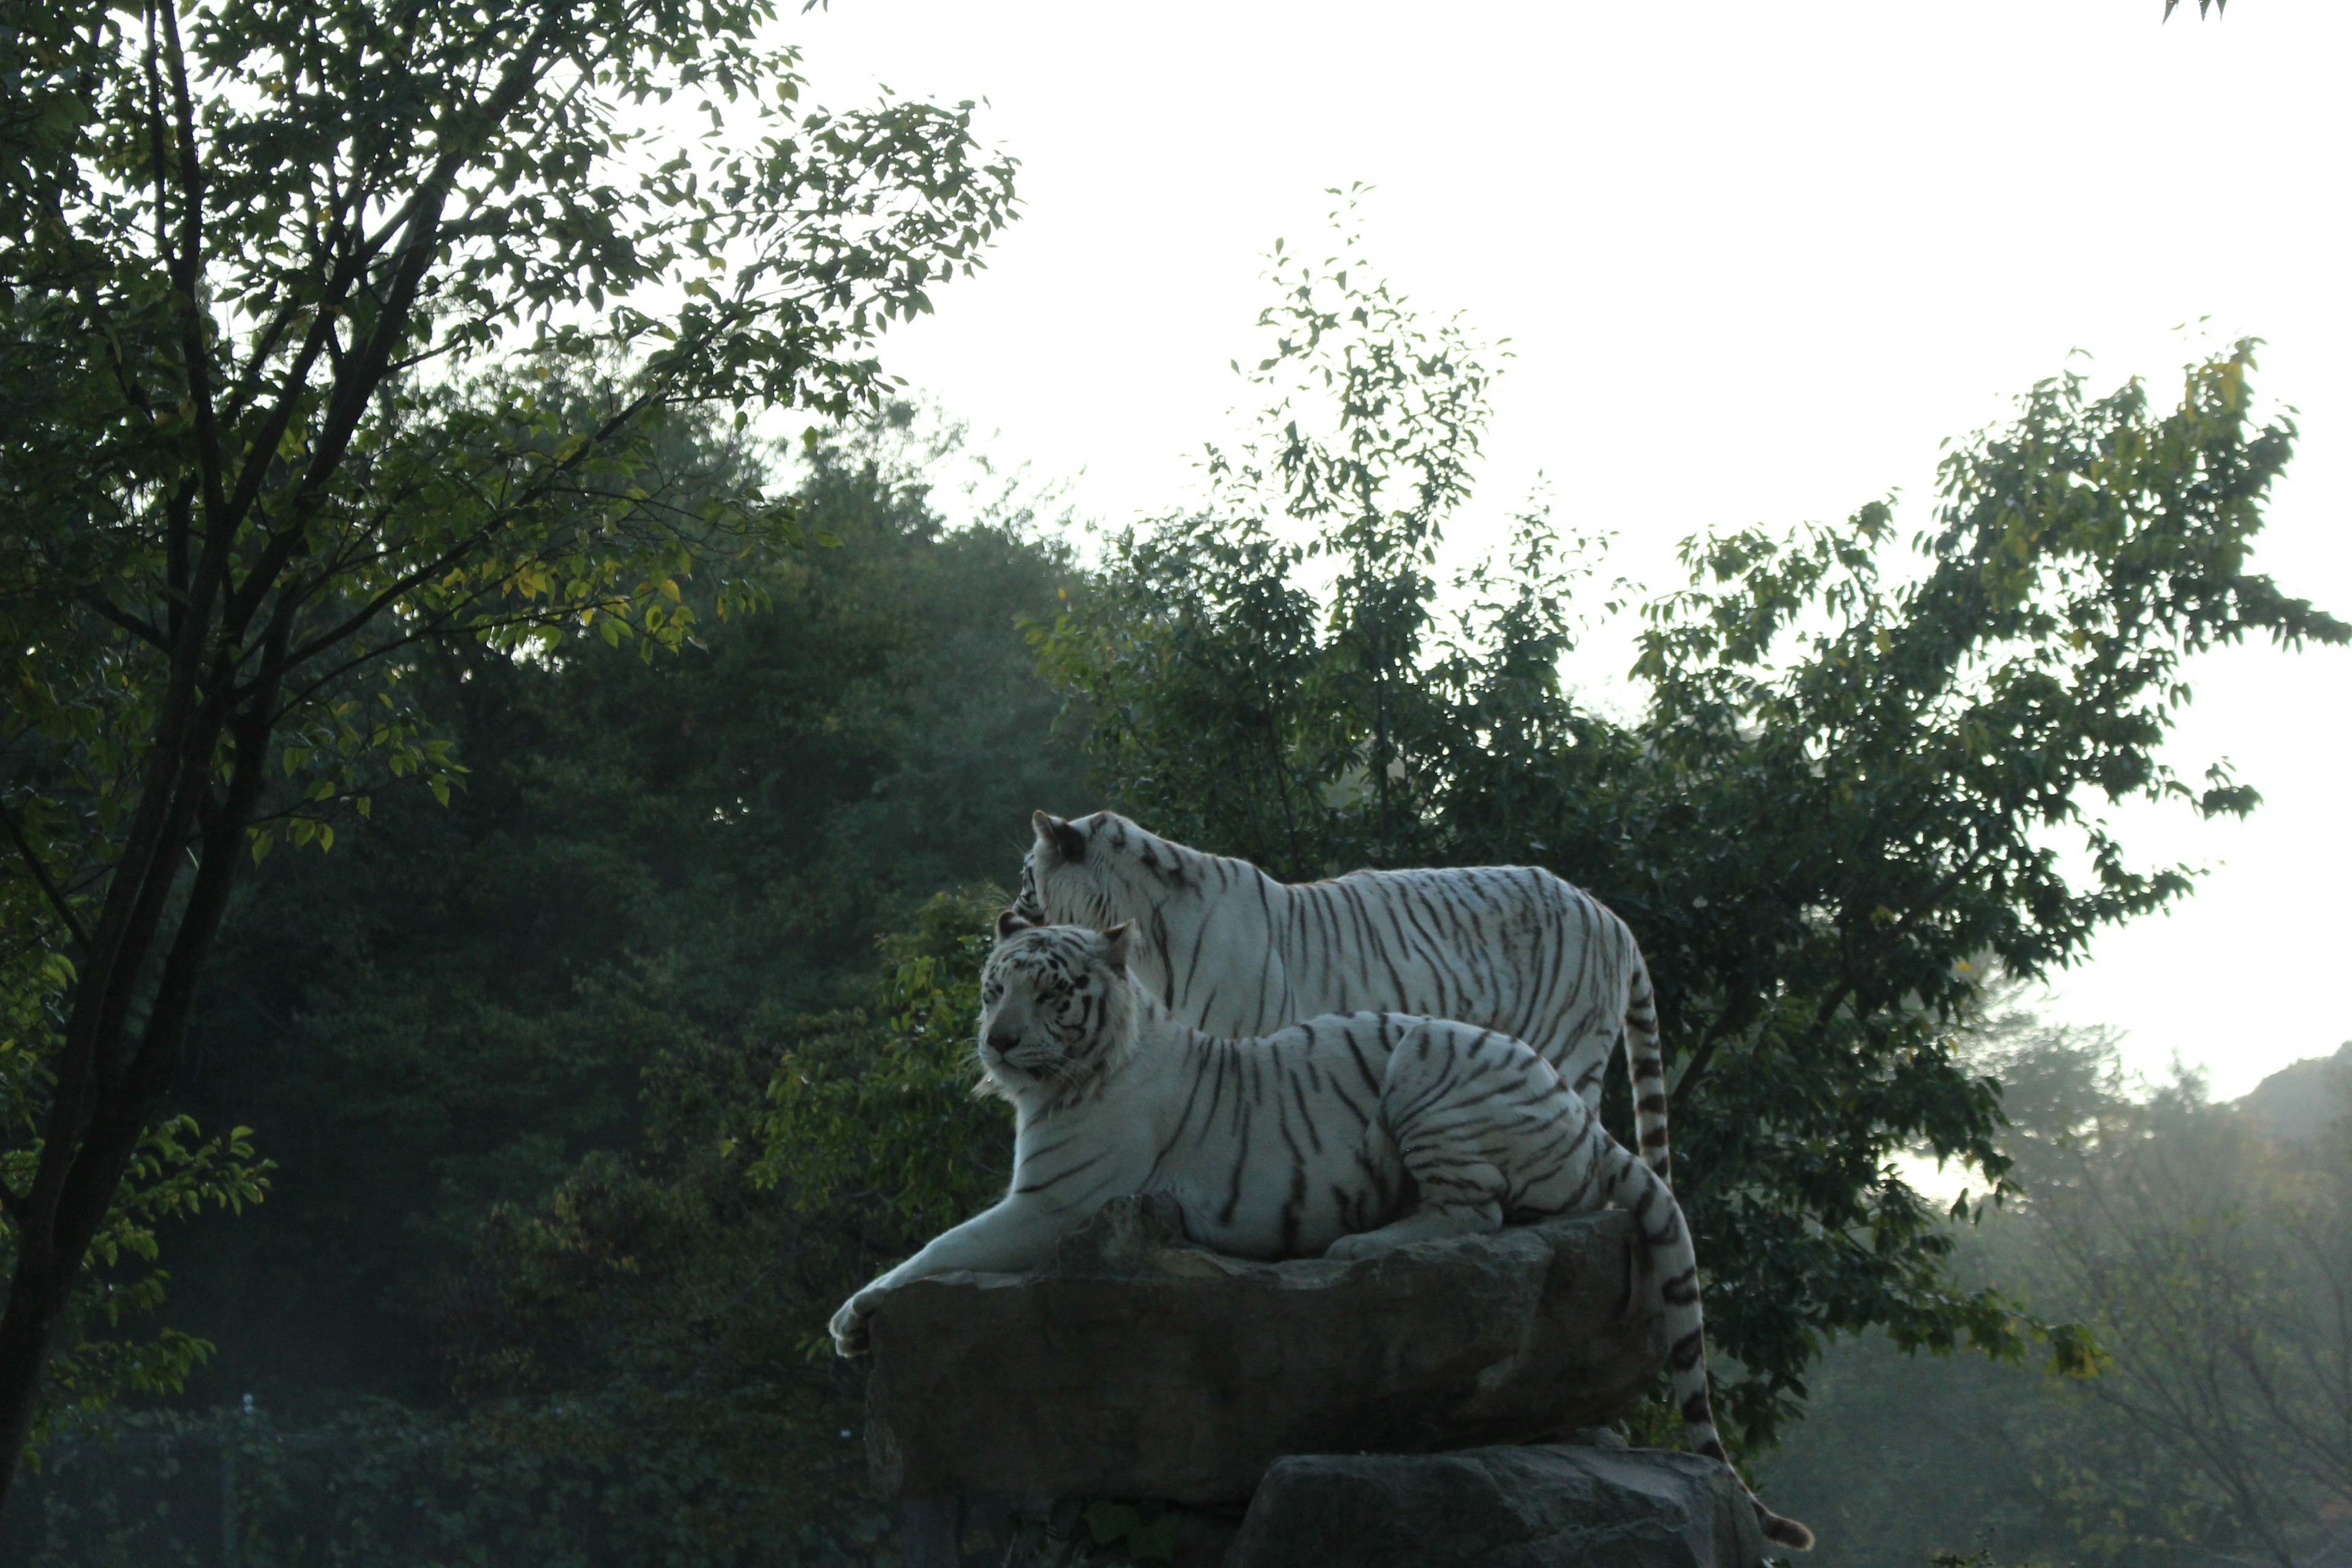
x: 1347, y: 1136
x: 1228, y: 949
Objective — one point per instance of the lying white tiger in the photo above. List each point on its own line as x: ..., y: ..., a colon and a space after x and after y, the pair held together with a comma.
x: 1228, y: 949
x: 1346, y: 1136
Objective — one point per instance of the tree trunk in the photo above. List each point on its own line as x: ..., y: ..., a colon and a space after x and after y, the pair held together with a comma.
x: 109, y: 1089
x: 49, y: 1257
x: 37, y: 1304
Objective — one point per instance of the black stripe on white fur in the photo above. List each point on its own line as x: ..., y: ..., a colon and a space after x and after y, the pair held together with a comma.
x: 1228, y: 949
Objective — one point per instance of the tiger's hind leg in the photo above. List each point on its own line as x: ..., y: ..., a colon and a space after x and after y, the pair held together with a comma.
x: 1479, y: 1119
x: 1460, y: 1103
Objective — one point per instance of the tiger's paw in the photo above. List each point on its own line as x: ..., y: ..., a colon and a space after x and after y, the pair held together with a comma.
x: 849, y: 1326
x: 1363, y: 1243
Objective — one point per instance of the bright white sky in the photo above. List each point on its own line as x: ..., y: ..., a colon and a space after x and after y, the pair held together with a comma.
x: 1755, y: 262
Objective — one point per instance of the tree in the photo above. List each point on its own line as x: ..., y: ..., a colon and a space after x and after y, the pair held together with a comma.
x: 2216, y: 1265
x: 2205, y: 1247
x: 1836, y: 811
x: 650, y: 1335
x: 266, y: 273
x: 1918, y: 1458
x: 510, y: 1055
x: 646, y: 862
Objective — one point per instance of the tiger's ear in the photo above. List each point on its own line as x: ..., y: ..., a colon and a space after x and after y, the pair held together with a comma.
x: 1008, y: 921
x: 1115, y: 945
x: 1059, y: 835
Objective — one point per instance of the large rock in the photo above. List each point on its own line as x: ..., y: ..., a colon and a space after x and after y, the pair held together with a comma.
x: 1142, y: 1367
x: 1549, y: 1507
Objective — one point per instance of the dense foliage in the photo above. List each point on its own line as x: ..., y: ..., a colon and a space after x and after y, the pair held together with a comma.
x: 267, y: 273
x: 517, y: 1057
x: 649, y: 869
x: 1852, y: 784
x: 636, y: 1352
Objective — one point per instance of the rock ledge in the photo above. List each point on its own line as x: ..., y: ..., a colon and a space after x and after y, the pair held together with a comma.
x: 1143, y: 1367
x: 1543, y: 1506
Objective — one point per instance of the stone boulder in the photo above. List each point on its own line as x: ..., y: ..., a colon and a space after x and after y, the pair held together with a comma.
x: 1542, y: 1506
x: 1141, y: 1367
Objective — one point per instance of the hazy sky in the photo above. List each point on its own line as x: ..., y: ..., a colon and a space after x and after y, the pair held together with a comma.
x: 1756, y: 263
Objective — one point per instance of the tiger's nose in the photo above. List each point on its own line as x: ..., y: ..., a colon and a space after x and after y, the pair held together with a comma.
x: 1002, y: 1043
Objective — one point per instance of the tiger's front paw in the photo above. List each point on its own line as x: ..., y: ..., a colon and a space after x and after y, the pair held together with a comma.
x: 1363, y: 1243
x: 850, y: 1324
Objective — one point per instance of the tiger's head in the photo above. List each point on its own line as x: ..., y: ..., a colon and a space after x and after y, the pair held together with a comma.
x: 1096, y: 870
x: 1054, y: 1010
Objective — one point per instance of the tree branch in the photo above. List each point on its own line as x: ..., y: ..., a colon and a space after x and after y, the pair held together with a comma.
x: 49, y: 888
x: 340, y: 247
x: 144, y: 630
x: 351, y: 392
x: 1731, y: 1020
x: 321, y: 338
x: 189, y: 279
x: 415, y: 577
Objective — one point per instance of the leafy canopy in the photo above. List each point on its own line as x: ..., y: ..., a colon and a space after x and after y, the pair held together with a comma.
x: 555, y: 1005
x: 293, y: 306
x: 647, y: 859
x: 1846, y: 797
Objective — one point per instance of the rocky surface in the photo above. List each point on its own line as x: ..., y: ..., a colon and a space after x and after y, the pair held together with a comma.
x: 1142, y: 1367
x: 1537, y: 1507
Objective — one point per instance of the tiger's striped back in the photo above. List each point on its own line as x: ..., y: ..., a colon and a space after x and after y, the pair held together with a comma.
x: 1226, y: 948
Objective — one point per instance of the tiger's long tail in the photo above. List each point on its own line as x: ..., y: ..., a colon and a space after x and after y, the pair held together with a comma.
x: 1645, y: 1070
x: 1635, y: 1186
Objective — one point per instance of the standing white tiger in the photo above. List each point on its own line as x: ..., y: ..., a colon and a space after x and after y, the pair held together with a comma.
x: 1348, y: 1136
x: 1228, y: 949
